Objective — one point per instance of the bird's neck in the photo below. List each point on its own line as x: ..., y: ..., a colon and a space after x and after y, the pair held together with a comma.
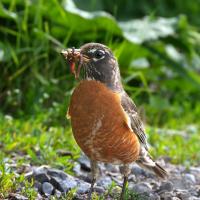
x: 114, y: 83
x: 110, y: 80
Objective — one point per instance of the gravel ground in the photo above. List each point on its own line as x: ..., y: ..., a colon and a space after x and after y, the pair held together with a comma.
x: 183, y: 183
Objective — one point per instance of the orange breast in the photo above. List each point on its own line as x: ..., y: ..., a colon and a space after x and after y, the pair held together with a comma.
x: 99, y: 124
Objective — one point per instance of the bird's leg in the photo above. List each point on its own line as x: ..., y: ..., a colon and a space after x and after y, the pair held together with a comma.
x: 125, y: 171
x: 94, y: 170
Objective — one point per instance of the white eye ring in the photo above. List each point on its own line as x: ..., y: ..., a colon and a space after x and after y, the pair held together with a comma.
x: 99, y: 54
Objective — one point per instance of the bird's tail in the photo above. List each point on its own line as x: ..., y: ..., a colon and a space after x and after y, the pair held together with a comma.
x: 147, y: 162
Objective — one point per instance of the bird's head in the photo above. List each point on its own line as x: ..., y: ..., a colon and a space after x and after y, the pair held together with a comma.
x: 94, y: 62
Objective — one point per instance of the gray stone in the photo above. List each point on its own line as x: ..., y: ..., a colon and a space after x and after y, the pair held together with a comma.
x: 194, y: 191
x: 81, y: 174
x: 132, y: 178
x: 194, y: 198
x: 41, y: 169
x: 165, y: 187
x: 104, y: 181
x: 40, y: 174
x: 183, y: 184
x: 57, y: 193
x: 15, y: 196
x: 141, y: 188
x: 57, y: 183
x: 153, y: 197
x: 63, y: 185
x: 178, y: 183
x: 112, y: 168
x: 137, y: 170
x: 80, y: 197
x: 195, y: 170
x: 117, y: 179
x: 190, y: 178
x: 47, y: 188
x: 40, y: 197
x: 83, y: 187
x: 99, y: 189
x: 41, y: 177
x: 57, y: 173
x: 183, y: 194
x: 154, y: 184
x: 144, y: 196
x: 70, y: 182
x: 38, y: 186
x: 77, y: 169
x: 61, y: 181
x: 85, y: 163
x: 166, y: 195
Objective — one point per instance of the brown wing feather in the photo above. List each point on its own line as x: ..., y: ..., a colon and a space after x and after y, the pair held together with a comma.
x: 136, y: 123
x: 144, y: 159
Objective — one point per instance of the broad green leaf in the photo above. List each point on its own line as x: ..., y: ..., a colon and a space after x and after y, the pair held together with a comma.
x: 139, y: 31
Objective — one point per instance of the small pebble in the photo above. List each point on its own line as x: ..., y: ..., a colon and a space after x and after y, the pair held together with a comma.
x: 183, y: 194
x: 182, y: 184
x: 15, y: 196
x: 83, y: 187
x: 38, y: 186
x: 112, y: 168
x: 153, y: 196
x: 137, y: 170
x: 190, y: 177
x: 166, y: 195
x: 166, y: 186
x: 57, y: 193
x: 47, y: 188
x: 99, y: 189
x: 104, y: 181
x: 141, y: 188
x: 63, y: 185
x: 85, y: 163
x: 57, y: 173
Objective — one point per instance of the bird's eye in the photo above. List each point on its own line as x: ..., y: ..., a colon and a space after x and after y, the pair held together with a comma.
x: 99, y: 54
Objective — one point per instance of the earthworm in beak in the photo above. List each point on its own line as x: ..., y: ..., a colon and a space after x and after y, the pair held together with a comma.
x: 73, y: 56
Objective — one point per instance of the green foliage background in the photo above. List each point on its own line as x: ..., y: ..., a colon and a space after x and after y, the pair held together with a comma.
x: 157, y: 44
x: 159, y: 57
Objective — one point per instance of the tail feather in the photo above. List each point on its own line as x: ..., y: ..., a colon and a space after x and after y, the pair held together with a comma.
x: 160, y: 171
x: 156, y: 168
x: 147, y: 162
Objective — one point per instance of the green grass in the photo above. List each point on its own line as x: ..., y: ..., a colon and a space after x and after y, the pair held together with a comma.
x: 33, y: 141
x: 178, y: 148
x: 32, y: 137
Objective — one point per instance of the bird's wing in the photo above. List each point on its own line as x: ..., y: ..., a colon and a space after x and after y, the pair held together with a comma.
x: 136, y: 125
x: 135, y: 122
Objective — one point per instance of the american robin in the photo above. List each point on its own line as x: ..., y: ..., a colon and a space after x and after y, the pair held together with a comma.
x: 105, y: 121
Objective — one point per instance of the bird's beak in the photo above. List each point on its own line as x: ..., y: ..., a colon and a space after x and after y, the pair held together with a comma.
x: 73, y: 56
x: 71, y: 53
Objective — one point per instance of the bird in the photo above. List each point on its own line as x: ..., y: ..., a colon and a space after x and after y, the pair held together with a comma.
x: 104, y: 119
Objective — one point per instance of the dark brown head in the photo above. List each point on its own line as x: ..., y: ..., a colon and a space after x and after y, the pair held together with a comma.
x: 96, y: 62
